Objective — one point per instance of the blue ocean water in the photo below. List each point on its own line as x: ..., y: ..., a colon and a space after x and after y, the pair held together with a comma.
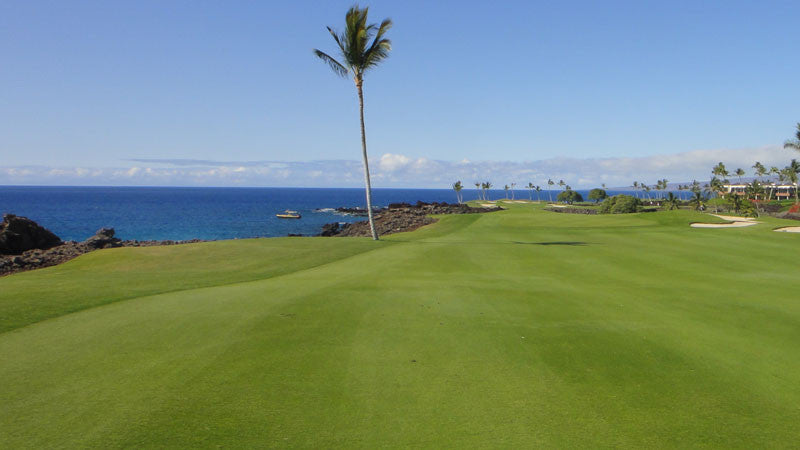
x: 159, y: 213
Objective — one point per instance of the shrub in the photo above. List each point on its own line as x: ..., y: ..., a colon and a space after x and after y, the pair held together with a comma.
x: 620, y: 204
x: 597, y: 195
x: 569, y: 196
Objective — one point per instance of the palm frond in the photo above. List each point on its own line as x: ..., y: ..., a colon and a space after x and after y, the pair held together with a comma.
x: 377, y: 53
x: 337, y: 38
x: 795, y: 145
x: 335, y: 65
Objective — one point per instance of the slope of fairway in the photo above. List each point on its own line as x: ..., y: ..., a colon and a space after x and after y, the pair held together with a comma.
x: 516, y: 329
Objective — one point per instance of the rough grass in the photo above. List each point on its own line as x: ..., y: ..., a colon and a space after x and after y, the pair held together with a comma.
x: 513, y: 329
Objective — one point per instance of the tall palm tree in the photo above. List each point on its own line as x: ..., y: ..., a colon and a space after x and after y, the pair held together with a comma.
x: 358, y: 56
x: 457, y: 186
x: 530, y: 187
x: 636, y: 189
x: 794, y: 143
x: 538, y: 189
x: 513, y: 185
x: 550, y: 184
x: 506, y: 189
x: 478, y: 187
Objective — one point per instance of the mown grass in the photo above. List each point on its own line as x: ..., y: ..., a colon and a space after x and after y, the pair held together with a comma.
x: 518, y: 328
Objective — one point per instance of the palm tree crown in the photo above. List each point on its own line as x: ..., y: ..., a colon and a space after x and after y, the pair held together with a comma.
x: 794, y: 143
x: 358, y: 53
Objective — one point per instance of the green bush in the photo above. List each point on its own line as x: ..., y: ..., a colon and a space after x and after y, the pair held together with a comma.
x: 620, y: 204
x: 597, y: 195
x: 569, y: 196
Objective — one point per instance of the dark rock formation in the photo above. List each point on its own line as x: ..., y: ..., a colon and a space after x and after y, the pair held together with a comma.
x: 104, y: 238
x: 20, y: 234
x: 332, y: 229
x: 357, y: 211
x: 401, y: 217
x: 49, y: 250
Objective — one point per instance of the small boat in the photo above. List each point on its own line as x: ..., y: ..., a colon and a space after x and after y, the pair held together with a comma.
x: 288, y: 214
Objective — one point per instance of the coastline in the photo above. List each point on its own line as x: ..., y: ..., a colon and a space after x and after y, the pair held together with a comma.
x: 395, y: 218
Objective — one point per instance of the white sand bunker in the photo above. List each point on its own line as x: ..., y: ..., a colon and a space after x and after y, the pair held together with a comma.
x: 488, y: 205
x: 735, y: 222
x: 553, y: 205
x: 788, y: 230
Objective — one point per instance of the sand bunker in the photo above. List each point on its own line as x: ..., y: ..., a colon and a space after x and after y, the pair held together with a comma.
x: 788, y: 230
x: 553, y: 205
x: 488, y: 205
x: 735, y: 222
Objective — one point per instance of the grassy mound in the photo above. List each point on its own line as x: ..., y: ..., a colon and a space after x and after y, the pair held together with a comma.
x: 518, y: 328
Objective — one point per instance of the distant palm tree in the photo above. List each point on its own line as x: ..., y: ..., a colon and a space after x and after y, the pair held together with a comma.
x: 561, y: 183
x: 506, y: 189
x: 636, y: 189
x: 739, y: 173
x: 697, y: 200
x: 486, y: 186
x: 720, y: 171
x: 457, y: 186
x: 358, y: 56
x: 794, y: 143
x: 671, y: 202
x: 513, y: 185
x: 790, y: 174
x: 530, y: 187
x: 773, y: 171
x: 754, y: 191
x: 538, y: 189
x: 760, y: 170
x: 550, y: 184
x: 478, y: 188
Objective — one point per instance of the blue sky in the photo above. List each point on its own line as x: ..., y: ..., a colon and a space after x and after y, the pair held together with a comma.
x: 472, y: 89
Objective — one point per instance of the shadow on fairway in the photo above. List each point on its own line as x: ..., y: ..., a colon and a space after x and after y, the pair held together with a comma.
x: 426, y: 241
x: 552, y: 243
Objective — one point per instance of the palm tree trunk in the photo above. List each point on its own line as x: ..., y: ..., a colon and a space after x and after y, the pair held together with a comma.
x: 366, y: 161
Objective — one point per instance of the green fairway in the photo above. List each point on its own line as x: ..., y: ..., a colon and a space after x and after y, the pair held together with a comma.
x: 518, y: 328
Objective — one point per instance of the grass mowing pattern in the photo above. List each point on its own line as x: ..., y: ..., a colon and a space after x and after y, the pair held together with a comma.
x: 513, y: 329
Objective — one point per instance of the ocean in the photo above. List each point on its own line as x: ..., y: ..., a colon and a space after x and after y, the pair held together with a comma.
x: 176, y: 213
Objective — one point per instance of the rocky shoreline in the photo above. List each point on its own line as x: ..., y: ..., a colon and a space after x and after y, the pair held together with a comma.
x: 399, y: 218
x: 25, y: 245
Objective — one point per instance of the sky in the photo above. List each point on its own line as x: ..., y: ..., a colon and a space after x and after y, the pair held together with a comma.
x: 229, y: 93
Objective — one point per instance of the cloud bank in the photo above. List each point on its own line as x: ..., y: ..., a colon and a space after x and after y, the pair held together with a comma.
x: 400, y: 171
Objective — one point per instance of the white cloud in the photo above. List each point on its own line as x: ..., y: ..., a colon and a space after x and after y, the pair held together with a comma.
x: 390, y: 162
x: 398, y: 170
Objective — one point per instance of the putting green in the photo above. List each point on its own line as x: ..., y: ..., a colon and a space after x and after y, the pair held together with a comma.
x: 518, y: 328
